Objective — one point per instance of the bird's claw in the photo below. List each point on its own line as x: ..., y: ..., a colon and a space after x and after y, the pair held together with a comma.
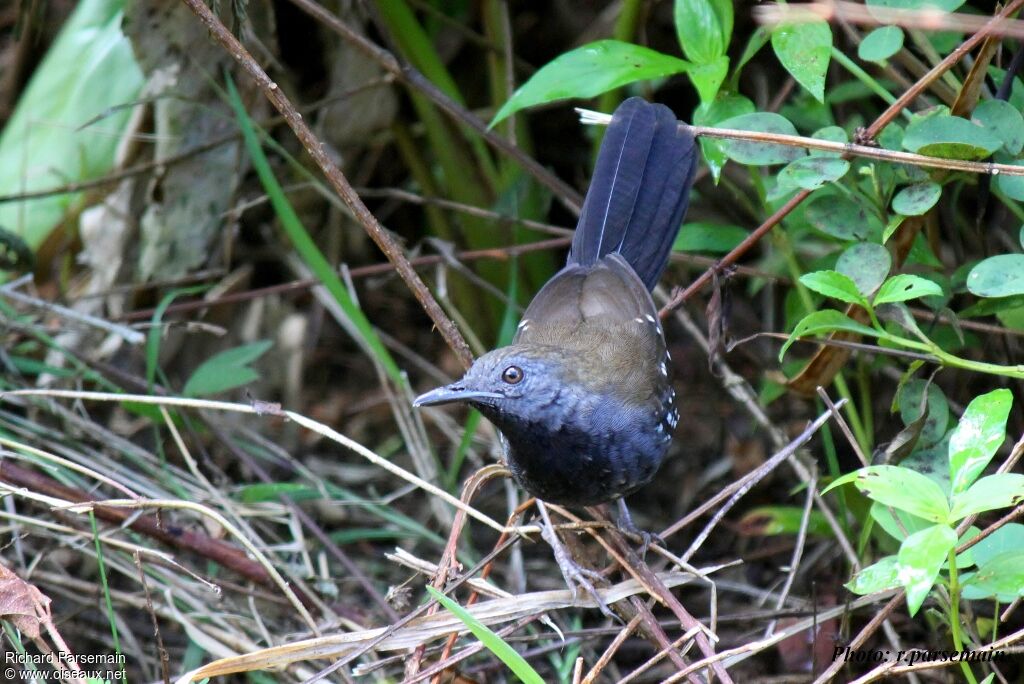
x: 625, y: 524
x: 575, y: 575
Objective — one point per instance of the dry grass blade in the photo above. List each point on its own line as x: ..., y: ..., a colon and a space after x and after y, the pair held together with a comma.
x: 427, y: 628
x: 305, y: 422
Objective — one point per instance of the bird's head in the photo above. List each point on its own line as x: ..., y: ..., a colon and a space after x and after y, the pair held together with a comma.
x: 510, y: 383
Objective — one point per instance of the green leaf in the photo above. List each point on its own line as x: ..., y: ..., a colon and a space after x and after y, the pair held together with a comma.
x: 895, y: 221
x: 825, y: 321
x: 881, y: 44
x: 810, y: 173
x: 938, y: 411
x: 703, y: 28
x: 867, y: 264
x: 69, y: 119
x: 494, y: 643
x: 999, y: 576
x: 273, y: 491
x: 590, y: 70
x: 949, y: 137
x: 1011, y: 185
x: 998, y: 276
x: 1001, y: 490
x: 710, y: 114
x: 755, y: 153
x: 901, y: 488
x: 831, y: 133
x: 902, y: 287
x: 1009, y: 537
x: 704, y: 236
x: 772, y: 520
x: 804, y: 49
x: 227, y: 370
x: 835, y: 285
x: 898, y: 524
x: 920, y: 557
x: 877, y: 577
x: 707, y: 77
x: 915, y: 200
x: 977, y: 436
x: 841, y: 217
x: 1004, y: 121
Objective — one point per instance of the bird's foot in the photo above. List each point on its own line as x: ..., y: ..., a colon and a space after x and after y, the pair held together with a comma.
x: 575, y: 575
x: 625, y: 524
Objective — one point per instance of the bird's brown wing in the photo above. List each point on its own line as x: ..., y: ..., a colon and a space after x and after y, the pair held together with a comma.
x: 608, y: 292
x: 605, y: 313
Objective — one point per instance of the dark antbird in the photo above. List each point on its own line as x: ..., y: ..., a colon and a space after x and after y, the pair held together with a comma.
x: 583, y: 396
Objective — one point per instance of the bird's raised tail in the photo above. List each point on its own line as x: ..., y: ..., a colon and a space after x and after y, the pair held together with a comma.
x: 640, y: 190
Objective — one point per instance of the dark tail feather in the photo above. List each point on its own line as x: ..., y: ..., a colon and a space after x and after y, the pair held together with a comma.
x: 639, y: 192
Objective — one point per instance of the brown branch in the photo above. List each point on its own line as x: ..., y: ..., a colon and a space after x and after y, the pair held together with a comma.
x: 414, y: 79
x: 336, y: 178
x: 846, y: 150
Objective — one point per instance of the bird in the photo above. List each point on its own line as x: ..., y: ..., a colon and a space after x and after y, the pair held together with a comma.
x: 583, y: 397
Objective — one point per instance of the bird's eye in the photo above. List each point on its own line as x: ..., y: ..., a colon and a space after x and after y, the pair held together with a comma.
x: 513, y: 375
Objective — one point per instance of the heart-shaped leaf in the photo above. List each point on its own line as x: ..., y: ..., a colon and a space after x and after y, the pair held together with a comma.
x: 804, y: 50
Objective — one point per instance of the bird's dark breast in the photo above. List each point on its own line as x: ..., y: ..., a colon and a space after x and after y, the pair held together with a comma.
x: 583, y: 455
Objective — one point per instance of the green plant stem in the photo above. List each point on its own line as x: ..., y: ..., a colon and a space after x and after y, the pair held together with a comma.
x: 865, y: 78
x: 953, y: 361
x: 954, y: 614
x: 856, y: 425
x: 106, y: 586
x: 832, y: 461
x: 864, y: 386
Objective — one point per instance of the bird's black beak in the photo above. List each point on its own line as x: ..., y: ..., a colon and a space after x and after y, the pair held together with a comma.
x: 452, y: 393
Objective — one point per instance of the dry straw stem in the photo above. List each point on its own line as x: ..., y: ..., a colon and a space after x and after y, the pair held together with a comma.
x: 427, y: 628
x: 305, y: 422
x: 852, y: 149
x: 854, y: 13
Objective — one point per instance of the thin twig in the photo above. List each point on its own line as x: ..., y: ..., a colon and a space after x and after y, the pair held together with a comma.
x: 798, y: 549
x: 762, y: 471
x: 127, y: 334
x: 849, y: 149
x: 318, y: 151
x: 414, y: 79
x: 878, y: 15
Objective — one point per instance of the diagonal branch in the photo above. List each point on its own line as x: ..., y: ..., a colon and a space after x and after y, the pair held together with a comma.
x: 336, y: 178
